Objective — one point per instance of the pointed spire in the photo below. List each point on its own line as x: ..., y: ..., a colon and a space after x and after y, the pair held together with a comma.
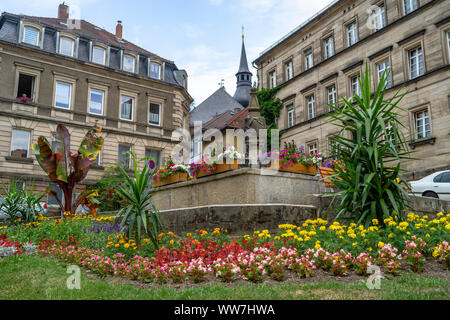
x: 243, y: 66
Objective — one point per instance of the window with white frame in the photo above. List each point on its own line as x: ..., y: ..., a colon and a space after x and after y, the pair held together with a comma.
x: 290, y: 115
x: 289, y: 70
x: 352, y: 33
x: 422, y: 124
x: 96, y: 101
x: 390, y: 133
x: 331, y: 96
x: 272, y: 80
x: 97, y: 161
x: 354, y: 85
x: 126, y: 108
x: 409, y: 6
x: 448, y: 44
x: 154, y: 114
x: 415, y: 62
x: 98, y: 55
x: 128, y: 63
x: 312, y: 147
x: 379, y: 18
x: 311, y: 102
x: 124, y: 157
x: 63, y: 95
x: 308, y: 59
x: 333, y: 147
x: 196, y: 149
x: 383, y: 68
x: 20, y: 143
x: 51, y: 201
x: 26, y: 86
x: 31, y: 35
x: 66, y: 46
x: 155, y: 155
x: 155, y: 70
x: 329, y: 47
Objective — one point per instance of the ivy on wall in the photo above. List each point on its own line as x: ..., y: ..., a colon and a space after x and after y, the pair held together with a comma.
x: 270, y: 108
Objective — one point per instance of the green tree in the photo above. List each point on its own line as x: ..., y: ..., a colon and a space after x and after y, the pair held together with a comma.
x: 270, y: 108
x: 371, y: 148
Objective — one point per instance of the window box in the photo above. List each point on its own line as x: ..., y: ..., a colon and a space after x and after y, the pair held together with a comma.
x: 296, y: 168
x: 219, y: 168
x: 174, y: 178
x: 20, y: 160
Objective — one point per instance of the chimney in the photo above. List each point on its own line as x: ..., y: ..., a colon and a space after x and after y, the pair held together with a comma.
x: 119, y: 29
x: 63, y: 11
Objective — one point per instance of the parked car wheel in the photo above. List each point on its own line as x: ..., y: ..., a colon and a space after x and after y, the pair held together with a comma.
x: 430, y: 194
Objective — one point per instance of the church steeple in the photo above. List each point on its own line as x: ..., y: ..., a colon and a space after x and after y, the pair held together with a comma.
x: 244, y: 79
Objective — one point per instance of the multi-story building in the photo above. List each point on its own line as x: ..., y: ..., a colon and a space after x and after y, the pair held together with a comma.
x: 55, y: 70
x: 319, y: 61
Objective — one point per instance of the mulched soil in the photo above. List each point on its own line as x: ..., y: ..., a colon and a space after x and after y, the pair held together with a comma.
x: 432, y: 269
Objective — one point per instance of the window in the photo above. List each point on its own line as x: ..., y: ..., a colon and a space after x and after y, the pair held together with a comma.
x: 415, y: 62
x: 63, y: 95
x: 155, y: 71
x: 448, y: 44
x: 96, y: 101
x: 422, y: 124
x: 124, y: 157
x: 196, y: 149
x: 333, y: 147
x: 354, y: 85
x: 51, y: 201
x: 311, y: 102
x: 390, y: 133
x: 20, y: 143
x: 382, y: 68
x: 308, y: 59
x: 98, y: 55
x: 312, y: 147
x: 289, y: 70
x: 272, y: 80
x: 126, y: 108
x: 66, y: 46
x: 154, y: 114
x: 379, y: 18
x: 31, y: 35
x: 154, y: 154
x: 97, y: 161
x: 443, y: 177
x: 128, y: 63
x: 290, y: 115
x: 331, y: 96
x: 329, y: 47
x: 409, y: 6
x: 26, y: 86
x: 352, y: 34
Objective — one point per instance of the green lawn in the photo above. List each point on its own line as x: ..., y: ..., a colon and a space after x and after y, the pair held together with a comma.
x: 37, y: 277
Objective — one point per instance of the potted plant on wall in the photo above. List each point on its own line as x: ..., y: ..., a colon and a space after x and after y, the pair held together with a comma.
x: 218, y: 163
x: 170, y: 173
x: 293, y: 159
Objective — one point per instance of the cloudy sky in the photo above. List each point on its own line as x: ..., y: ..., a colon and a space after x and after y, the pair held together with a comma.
x: 201, y: 36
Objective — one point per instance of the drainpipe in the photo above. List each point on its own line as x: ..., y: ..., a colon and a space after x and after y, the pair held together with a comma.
x: 42, y: 37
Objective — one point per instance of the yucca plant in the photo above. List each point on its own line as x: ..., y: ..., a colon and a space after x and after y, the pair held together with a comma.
x: 141, y: 214
x: 371, y: 148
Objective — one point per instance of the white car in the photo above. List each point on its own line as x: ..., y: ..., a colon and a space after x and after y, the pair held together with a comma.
x: 436, y: 185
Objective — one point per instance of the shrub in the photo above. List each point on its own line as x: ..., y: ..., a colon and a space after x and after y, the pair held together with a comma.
x: 369, y: 178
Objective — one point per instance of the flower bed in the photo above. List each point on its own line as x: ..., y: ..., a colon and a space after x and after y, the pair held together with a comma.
x: 217, y: 164
x: 294, y: 250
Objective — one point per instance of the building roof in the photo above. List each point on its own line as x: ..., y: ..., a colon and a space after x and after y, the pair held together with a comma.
x: 296, y: 30
x: 89, y: 31
x: 214, y: 105
x: 228, y: 119
x: 243, y: 65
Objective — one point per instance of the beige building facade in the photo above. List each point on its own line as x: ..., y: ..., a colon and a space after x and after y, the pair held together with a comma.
x: 137, y: 97
x: 318, y: 63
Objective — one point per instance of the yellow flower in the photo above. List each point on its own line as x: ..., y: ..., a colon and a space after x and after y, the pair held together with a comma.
x: 380, y: 244
x: 322, y: 228
x: 146, y: 240
x: 171, y: 242
x: 126, y: 245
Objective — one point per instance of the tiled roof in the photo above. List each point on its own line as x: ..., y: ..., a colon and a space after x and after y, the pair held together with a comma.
x: 89, y: 31
x: 216, y: 104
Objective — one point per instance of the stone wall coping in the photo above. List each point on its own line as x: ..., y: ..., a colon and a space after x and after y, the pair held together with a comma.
x: 248, y: 205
